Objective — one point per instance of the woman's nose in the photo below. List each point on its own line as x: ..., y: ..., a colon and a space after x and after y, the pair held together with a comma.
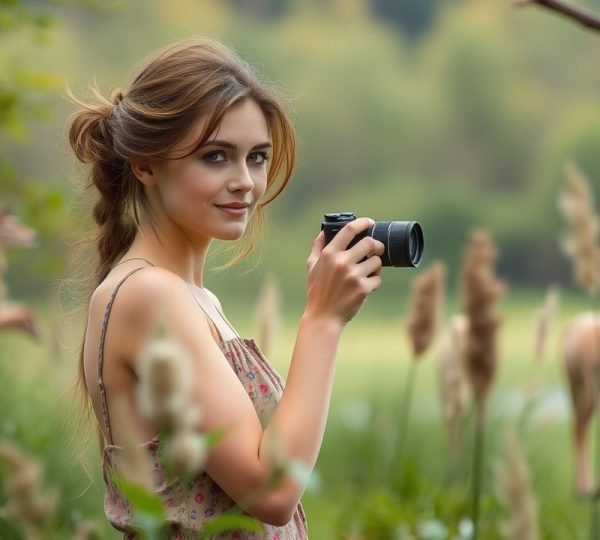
x: 242, y: 179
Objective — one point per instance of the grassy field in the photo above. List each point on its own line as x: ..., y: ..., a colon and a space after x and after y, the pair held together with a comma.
x: 355, y: 482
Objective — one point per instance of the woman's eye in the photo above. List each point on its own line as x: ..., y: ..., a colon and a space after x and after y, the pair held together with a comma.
x: 214, y: 157
x: 258, y: 158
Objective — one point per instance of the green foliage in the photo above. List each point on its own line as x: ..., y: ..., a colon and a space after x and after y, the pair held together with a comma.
x: 37, y: 411
x: 230, y: 522
x: 451, y: 129
x: 148, y: 512
x: 468, y: 126
x: 37, y: 406
x: 24, y: 97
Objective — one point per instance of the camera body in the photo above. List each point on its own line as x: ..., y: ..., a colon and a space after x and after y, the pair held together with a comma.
x: 403, y: 240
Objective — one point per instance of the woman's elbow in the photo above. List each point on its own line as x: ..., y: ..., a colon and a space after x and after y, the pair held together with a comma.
x: 273, y: 511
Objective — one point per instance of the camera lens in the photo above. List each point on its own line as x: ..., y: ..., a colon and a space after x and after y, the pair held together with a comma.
x: 413, y: 244
x: 403, y: 241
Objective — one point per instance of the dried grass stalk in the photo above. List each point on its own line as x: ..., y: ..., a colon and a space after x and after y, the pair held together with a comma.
x: 164, y: 397
x: 12, y: 233
x: 514, y: 490
x: 543, y: 322
x: 135, y: 463
x: 580, y: 240
x: 268, y: 315
x: 19, y: 317
x: 164, y: 381
x: 580, y: 352
x: 425, y: 308
x: 480, y: 291
x: 28, y: 503
x: 453, y: 379
x: 186, y: 452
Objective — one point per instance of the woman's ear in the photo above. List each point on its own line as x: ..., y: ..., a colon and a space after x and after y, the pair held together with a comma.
x: 143, y: 171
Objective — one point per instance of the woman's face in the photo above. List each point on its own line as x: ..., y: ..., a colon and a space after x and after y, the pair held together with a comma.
x: 213, y: 192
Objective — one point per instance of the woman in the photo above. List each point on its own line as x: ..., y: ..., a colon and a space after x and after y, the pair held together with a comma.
x: 193, y: 151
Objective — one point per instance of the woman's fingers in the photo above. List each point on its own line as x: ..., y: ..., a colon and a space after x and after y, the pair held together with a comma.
x: 370, y: 266
x: 366, y: 247
x: 373, y: 282
x: 340, y: 279
x: 317, y: 248
x: 341, y: 240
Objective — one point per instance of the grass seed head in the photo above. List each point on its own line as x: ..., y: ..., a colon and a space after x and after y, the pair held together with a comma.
x: 164, y: 381
x: 513, y: 486
x: 580, y: 239
x: 480, y: 290
x: 425, y: 310
x: 543, y: 321
x: 28, y: 503
x: 452, y: 376
x: 186, y: 452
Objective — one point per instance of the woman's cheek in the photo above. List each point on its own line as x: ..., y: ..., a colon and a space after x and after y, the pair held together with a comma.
x: 260, y: 187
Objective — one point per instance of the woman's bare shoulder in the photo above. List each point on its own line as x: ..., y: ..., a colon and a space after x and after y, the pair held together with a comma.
x: 140, y: 293
x: 146, y: 298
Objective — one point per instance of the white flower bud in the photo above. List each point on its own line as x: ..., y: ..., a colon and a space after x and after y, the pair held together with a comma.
x: 165, y: 381
x: 186, y: 452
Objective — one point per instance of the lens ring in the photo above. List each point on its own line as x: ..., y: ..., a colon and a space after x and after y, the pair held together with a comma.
x: 405, y: 243
x: 412, y: 244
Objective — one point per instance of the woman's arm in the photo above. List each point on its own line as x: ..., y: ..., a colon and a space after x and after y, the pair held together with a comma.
x: 339, y: 280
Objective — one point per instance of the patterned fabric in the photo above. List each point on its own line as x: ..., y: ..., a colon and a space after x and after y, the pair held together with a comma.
x: 191, y: 504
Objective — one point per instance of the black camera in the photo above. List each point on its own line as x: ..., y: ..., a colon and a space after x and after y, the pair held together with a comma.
x: 403, y: 240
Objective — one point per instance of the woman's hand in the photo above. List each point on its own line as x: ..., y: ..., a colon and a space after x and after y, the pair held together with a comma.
x: 339, y: 280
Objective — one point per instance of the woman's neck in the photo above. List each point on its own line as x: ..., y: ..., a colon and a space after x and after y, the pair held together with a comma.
x: 172, y: 250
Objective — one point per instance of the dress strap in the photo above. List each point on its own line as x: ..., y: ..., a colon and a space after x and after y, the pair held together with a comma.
x: 104, y: 403
x: 134, y: 259
x: 214, y: 315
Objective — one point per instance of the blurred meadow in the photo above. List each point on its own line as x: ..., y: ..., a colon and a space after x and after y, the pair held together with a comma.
x: 461, y: 114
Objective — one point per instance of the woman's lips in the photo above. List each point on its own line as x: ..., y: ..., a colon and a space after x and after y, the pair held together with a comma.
x: 233, y: 210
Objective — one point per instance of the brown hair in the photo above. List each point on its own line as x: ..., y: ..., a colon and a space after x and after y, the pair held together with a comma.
x: 184, y: 81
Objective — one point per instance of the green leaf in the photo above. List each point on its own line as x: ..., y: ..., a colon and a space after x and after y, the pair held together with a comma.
x: 55, y: 200
x: 230, y: 522
x: 144, y: 502
x: 304, y: 475
x: 214, y: 437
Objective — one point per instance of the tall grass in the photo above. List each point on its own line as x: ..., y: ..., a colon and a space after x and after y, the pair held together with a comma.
x: 373, y: 361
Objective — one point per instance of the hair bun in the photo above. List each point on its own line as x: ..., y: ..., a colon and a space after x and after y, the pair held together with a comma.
x: 118, y: 98
x: 90, y: 133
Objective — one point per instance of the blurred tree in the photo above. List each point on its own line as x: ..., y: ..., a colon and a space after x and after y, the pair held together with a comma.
x: 26, y: 90
x: 450, y: 129
x: 259, y: 9
x: 23, y: 94
x: 413, y: 18
x: 585, y: 18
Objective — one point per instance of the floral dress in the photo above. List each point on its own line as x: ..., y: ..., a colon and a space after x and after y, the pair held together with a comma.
x: 192, y: 503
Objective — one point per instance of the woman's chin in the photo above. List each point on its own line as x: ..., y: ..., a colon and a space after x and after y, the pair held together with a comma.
x: 231, y: 235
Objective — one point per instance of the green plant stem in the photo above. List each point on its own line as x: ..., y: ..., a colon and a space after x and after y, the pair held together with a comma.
x: 455, y: 467
x: 477, y: 465
x: 594, y: 514
x: 399, y: 433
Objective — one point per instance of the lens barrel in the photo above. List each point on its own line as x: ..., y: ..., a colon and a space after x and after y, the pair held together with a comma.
x: 403, y: 240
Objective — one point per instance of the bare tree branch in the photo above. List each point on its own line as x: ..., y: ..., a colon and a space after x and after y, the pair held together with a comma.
x: 589, y: 20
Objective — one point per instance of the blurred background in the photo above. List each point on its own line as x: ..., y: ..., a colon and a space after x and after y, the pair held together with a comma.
x: 460, y: 114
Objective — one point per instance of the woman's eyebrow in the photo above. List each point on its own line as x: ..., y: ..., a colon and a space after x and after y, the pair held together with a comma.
x: 231, y: 146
